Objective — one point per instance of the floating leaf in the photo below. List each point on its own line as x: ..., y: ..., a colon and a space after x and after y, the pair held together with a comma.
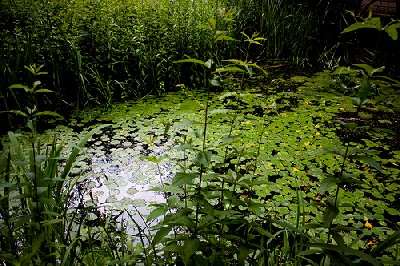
x: 189, y: 105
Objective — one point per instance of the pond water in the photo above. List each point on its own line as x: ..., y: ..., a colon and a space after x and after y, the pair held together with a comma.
x: 139, y: 147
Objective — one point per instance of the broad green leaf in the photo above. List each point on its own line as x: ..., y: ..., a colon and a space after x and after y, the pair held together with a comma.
x: 19, y: 86
x: 216, y: 81
x: 205, y: 27
x: 213, y: 23
x: 243, y: 254
x: 190, y: 247
x: 50, y: 213
x: 372, y: 23
x: 260, y: 39
x: 262, y: 231
x: 391, y: 30
x: 219, y: 111
x: 181, y: 178
x: 369, y: 69
x: 163, y: 231
x: 156, y: 213
x: 371, y: 162
x: 327, y: 183
x: 47, y: 113
x: 172, y: 201
x: 343, y: 71
x: 189, y: 105
x: 330, y: 213
x: 37, y: 241
x: 203, y: 158
x: 256, y: 208
x: 172, y: 248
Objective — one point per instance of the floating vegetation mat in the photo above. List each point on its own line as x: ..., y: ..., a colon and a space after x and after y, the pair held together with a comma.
x: 285, y: 122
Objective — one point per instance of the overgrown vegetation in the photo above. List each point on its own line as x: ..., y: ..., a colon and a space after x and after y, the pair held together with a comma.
x: 271, y: 170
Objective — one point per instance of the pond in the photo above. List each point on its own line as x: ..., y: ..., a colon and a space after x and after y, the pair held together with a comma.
x: 284, y: 123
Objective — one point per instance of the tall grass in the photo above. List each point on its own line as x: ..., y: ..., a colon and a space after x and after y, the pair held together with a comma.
x: 100, y: 51
x: 97, y: 52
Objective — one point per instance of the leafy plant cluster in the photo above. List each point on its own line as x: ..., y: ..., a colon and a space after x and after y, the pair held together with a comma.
x: 222, y: 207
x: 98, y: 52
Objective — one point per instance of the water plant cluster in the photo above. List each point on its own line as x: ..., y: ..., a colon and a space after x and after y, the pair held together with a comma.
x: 242, y: 165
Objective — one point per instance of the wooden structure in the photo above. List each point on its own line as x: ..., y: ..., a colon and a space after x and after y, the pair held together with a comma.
x: 382, y: 7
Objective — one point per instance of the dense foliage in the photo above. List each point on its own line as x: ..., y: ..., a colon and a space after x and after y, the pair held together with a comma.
x: 97, y: 52
x: 270, y: 169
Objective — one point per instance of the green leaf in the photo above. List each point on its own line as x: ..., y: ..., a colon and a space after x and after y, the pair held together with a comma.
x: 47, y: 113
x: 36, y: 244
x: 343, y: 71
x: 372, y: 23
x: 41, y: 189
x: 189, y: 105
x: 190, y: 247
x: 43, y: 90
x: 19, y: 86
x: 345, y: 250
x: 327, y: 183
x: 209, y: 63
x: 181, y: 178
x: 391, y: 30
x: 243, y: 254
x: 225, y: 38
x: 371, y: 162
x: 369, y: 69
x: 256, y: 208
x: 191, y: 60
x: 18, y: 112
x: 163, y: 231
x: 48, y: 201
x: 262, y: 231
x: 213, y: 23
x: 52, y: 221
x: 203, y: 158
x: 330, y: 213
x: 235, y: 61
x: 36, y: 83
x: 157, y: 213
x: 229, y: 69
